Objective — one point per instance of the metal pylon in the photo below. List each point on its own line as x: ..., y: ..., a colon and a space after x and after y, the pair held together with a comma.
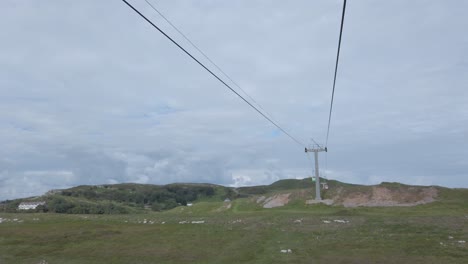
x: 316, y: 150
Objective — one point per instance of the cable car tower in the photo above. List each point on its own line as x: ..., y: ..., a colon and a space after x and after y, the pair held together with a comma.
x: 316, y: 149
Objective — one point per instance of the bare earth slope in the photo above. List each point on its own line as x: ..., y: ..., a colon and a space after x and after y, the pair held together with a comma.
x: 383, y: 196
x: 347, y: 195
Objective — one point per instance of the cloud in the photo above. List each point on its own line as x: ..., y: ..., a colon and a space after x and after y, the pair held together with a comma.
x: 90, y: 90
x: 30, y: 183
x: 251, y: 177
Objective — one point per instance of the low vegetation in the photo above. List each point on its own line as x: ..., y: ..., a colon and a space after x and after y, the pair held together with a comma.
x: 240, y: 230
x: 139, y: 198
x: 121, y: 198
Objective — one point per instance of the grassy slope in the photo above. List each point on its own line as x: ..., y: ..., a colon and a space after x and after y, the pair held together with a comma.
x: 247, y: 233
x: 371, y: 235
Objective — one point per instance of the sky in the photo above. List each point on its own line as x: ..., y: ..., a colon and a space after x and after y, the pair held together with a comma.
x: 91, y: 94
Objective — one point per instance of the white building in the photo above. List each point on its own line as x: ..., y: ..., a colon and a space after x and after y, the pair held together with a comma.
x: 29, y: 205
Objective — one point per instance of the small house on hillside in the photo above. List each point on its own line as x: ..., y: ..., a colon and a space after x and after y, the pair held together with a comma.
x: 30, y: 205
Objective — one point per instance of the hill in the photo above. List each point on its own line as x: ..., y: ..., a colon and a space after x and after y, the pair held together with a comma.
x: 137, y: 198
x: 276, y: 223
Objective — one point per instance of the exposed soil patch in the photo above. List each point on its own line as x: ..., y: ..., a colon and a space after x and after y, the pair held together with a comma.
x: 261, y: 199
x: 276, y: 200
x: 324, y: 201
x: 383, y: 196
x: 224, y: 207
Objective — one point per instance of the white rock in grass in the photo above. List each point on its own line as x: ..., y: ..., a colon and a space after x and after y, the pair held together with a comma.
x: 461, y: 241
x: 326, y: 221
x: 340, y: 221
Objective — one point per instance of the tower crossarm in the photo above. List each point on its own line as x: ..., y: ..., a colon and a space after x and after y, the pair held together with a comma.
x: 317, y: 149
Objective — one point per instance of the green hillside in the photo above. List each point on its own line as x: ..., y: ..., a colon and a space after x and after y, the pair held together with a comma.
x: 140, y: 198
x: 124, y: 198
x: 385, y: 223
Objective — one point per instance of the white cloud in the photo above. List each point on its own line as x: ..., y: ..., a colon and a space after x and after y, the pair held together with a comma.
x: 107, y: 99
x: 31, y: 183
x: 268, y: 175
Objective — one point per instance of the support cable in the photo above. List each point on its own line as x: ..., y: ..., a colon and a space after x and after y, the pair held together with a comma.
x: 213, y: 74
x: 211, y: 61
x: 208, y: 58
x: 336, y: 70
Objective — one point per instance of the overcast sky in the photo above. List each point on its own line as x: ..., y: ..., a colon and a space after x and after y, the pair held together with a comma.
x: 91, y: 94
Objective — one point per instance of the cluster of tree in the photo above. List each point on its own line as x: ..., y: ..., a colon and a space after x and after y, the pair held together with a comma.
x: 58, y: 204
x: 10, y: 206
x: 159, y: 197
x: 118, y: 199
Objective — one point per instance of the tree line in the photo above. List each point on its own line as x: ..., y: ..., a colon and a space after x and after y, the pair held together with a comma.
x: 108, y: 199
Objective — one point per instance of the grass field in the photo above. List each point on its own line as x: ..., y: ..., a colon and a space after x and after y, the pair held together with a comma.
x: 243, y: 233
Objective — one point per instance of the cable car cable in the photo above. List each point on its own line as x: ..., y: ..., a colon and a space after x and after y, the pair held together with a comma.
x: 213, y: 74
x: 208, y: 58
x: 336, y: 70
